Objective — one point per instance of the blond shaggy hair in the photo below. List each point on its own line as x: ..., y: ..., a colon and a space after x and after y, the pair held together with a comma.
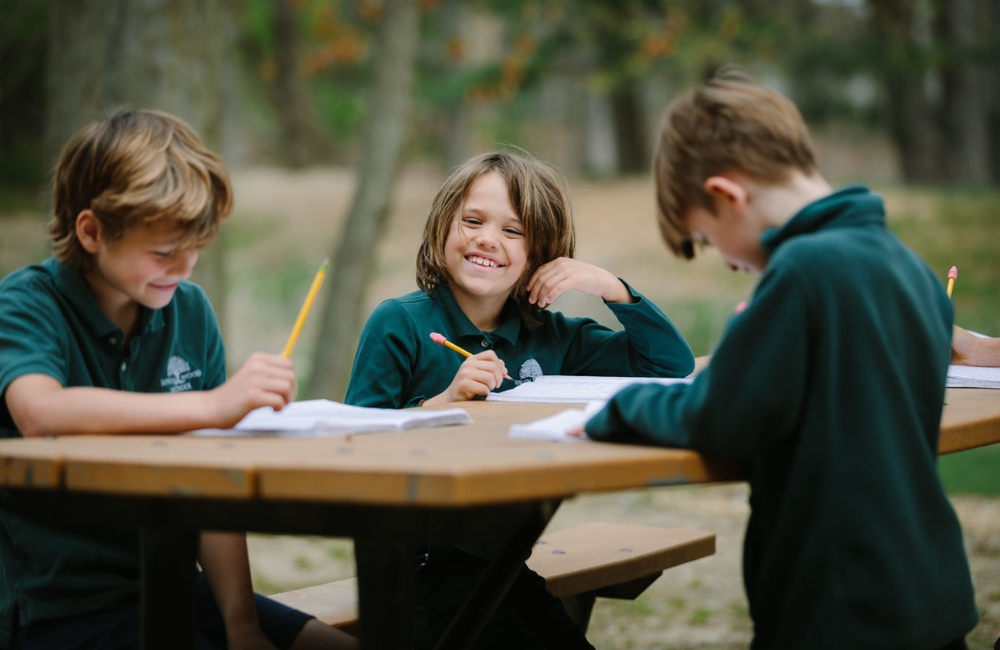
x: 135, y: 168
x: 732, y: 124
x: 540, y: 199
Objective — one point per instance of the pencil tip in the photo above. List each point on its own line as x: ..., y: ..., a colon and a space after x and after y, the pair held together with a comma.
x: 953, y: 273
x: 437, y: 338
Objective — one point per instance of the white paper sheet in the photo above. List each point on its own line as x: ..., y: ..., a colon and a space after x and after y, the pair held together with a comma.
x: 555, y: 427
x: 320, y: 417
x: 566, y: 389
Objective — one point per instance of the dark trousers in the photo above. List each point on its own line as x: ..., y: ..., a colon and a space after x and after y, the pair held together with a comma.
x: 529, y: 617
x: 118, y: 628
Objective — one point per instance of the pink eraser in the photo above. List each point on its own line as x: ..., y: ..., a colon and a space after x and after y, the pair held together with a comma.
x: 740, y: 306
x: 953, y: 273
x: 438, y: 338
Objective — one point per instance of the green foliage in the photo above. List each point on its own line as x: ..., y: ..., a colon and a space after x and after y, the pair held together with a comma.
x: 971, y: 472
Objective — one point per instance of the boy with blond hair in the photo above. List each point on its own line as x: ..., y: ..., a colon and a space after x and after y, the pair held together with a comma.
x: 830, y: 384
x: 109, y: 337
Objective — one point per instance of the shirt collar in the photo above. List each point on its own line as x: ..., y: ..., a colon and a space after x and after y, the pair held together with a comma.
x: 462, y: 326
x: 851, y: 206
x: 73, y: 286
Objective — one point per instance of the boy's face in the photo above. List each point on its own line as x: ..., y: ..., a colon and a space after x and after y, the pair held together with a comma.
x: 732, y: 233
x: 142, y: 268
x: 486, y: 252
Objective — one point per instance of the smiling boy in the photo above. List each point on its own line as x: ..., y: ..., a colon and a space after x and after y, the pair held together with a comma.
x: 109, y: 337
x: 830, y: 385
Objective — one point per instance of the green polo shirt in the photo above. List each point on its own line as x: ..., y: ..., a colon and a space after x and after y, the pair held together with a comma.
x: 831, y: 385
x: 50, y: 323
x: 397, y: 365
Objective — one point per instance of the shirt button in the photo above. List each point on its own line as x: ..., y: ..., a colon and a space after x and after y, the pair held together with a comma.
x: 124, y: 366
x: 486, y: 343
x: 113, y: 340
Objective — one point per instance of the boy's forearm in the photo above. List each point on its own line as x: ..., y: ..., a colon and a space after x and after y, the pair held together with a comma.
x: 42, y: 407
x: 988, y: 352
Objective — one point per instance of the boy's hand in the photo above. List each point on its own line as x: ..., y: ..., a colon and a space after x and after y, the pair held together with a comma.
x: 478, y: 375
x: 563, y: 274
x: 264, y: 380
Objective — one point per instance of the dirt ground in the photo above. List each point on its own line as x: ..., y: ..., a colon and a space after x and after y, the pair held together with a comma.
x: 285, y: 218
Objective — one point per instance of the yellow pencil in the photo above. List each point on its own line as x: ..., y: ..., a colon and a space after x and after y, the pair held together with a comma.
x: 441, y: 340
x: 306, y: 306
x: 952, y: 276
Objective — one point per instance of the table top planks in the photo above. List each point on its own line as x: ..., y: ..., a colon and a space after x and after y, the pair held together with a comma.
x: 477, y: 464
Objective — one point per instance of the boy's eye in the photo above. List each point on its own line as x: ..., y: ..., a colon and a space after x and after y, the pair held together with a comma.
x: 472, y: 221
x: 162, y: 254
x: 513, y: 231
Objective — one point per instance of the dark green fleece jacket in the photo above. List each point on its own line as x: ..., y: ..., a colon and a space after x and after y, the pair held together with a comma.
x: 831, y: 385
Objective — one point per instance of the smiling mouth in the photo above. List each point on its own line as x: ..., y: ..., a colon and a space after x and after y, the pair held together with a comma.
x: 165, y: 287
x: 482, y: 261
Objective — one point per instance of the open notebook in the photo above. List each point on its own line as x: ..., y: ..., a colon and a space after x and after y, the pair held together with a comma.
x: 566, y: 389
x: 973, y: 377
x: 321, y: 417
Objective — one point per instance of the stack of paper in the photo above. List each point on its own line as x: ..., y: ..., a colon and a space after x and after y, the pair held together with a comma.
x: 320, y: 417
x: 566, y: 389
x: 973, y: 377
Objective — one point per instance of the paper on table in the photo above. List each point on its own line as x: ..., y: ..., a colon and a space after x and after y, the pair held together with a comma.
x: 555, y: 427
x: 566, y: 389
x: 973, y: 377
x: 320, y: 417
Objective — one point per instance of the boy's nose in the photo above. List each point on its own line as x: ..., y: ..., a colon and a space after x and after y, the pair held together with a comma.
x: 185, y: 263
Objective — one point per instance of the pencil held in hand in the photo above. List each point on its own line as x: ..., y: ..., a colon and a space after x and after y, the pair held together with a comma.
x: 306, y: 306
x: 441, y: 340
x: 952, y: 276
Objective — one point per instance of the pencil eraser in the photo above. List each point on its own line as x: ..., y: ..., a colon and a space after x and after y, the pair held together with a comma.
x: 953, y: 273
x: 437, y: 338
x: 740, y: 306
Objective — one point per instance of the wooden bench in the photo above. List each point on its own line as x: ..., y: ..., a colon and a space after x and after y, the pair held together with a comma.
x: 578, y: 564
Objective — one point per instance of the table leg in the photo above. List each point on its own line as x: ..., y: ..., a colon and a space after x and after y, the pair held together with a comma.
x: 168, y: 592
x: 385, y: 569
x: 496, y: 581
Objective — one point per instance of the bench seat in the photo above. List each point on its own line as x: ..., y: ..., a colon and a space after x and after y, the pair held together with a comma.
x: 579, y: 564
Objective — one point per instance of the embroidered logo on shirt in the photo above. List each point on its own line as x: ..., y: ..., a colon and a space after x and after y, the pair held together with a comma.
x: 530, y: 371
x: 179, y: 375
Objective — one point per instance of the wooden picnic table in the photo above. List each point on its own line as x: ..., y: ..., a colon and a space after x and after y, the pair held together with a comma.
x: 391, y: 492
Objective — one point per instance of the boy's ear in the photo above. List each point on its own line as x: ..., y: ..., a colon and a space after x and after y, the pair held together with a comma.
x: 88, y: 231
x: 731, y: 193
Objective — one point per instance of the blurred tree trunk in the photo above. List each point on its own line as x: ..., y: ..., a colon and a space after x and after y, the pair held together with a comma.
x: 302, y: 141
x: 355, y: 251
x: 629, y: 118
x: 161, y: 54
x: 913, y: 121
x: 965, y: 93
x: 993, y: 83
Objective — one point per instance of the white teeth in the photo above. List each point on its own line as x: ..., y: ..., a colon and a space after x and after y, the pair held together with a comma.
x: 482, y: 261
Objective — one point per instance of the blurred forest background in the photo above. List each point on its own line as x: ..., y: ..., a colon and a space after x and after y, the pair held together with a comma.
x: 339, y: 118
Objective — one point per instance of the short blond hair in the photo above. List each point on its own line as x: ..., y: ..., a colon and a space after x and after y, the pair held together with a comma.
x: 539, y: 196
x: 731, y: 124
x: 136, y: 167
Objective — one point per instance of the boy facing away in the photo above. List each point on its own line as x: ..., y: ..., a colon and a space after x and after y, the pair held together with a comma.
x: 830, y: 384
x: 109, y: 337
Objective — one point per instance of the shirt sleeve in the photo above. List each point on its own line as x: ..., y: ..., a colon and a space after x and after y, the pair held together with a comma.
x: 649, y: 345
x: 749, y: 397
x: 30, y: 339
x: 383, y: 364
